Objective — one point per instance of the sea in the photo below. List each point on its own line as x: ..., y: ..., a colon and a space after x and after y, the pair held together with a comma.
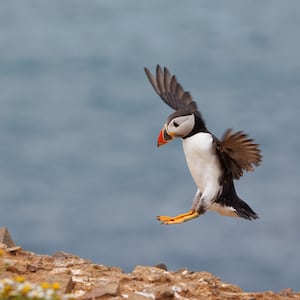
x: 79, y: 167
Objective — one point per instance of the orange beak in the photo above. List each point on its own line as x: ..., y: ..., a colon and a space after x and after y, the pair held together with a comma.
x: 163, y: 138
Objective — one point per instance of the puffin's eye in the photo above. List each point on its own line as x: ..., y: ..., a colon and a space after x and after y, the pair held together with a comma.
x: 175, y: 124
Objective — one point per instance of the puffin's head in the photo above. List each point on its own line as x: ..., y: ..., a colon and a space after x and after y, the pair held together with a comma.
x: 186, y: 120
x: 176, y: 126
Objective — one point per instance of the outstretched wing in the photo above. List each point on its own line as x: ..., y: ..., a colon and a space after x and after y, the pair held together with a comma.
x: 239, y: 153
x: 170, y: 91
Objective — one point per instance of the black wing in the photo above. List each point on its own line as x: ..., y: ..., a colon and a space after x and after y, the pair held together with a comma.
x: 170, y: 91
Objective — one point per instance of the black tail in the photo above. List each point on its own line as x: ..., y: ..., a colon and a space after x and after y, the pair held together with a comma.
x: 244, y: 210
x: 230, y: 198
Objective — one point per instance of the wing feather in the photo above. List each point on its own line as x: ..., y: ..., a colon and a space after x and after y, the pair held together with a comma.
x: 171, y: 91
x: 160, y: 80
x: 152, y: 81
x: 240, y: 153
x: 167, y: 77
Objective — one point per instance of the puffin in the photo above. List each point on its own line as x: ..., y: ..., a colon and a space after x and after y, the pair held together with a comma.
x: 213, y: 163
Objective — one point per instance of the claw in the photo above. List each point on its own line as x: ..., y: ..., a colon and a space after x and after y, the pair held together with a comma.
x: 178, y: 219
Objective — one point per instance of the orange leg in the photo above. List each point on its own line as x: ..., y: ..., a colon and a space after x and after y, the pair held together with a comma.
x: 178, y: 219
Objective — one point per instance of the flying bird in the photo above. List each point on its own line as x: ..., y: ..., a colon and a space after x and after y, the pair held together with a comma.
x: 213, y: 163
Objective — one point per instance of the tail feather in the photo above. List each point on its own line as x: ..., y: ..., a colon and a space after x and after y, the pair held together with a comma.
x: 229, y: 198
x: 244, y: 210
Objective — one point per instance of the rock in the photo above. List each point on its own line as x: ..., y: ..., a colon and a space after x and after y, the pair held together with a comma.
x: 5, y: 237
x: 161, y: 266
x: 65, y: 281
x: 64, y: 255
x: 286, y: 292
x: 17, y: 268
x: 163, y: 292
x: 60, y: 255
x: 103, y: 289
x: 32, y: 268
x: 140, y: 296
x: 151, y: 274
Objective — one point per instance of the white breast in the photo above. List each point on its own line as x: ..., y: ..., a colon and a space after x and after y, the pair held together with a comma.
x: 203, y: 163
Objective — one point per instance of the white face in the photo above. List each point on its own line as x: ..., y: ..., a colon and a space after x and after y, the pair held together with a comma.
x: 181, y: 126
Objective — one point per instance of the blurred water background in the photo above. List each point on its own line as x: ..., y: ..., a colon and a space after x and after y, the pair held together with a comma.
x: 79, y: 167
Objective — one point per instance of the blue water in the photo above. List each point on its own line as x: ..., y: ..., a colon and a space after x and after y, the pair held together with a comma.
x: 79, y: 167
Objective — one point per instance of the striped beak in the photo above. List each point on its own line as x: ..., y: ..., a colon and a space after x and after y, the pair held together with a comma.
x: 163, y: 138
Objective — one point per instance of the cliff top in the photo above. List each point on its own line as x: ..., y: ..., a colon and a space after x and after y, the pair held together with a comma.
x: 88, y: 281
